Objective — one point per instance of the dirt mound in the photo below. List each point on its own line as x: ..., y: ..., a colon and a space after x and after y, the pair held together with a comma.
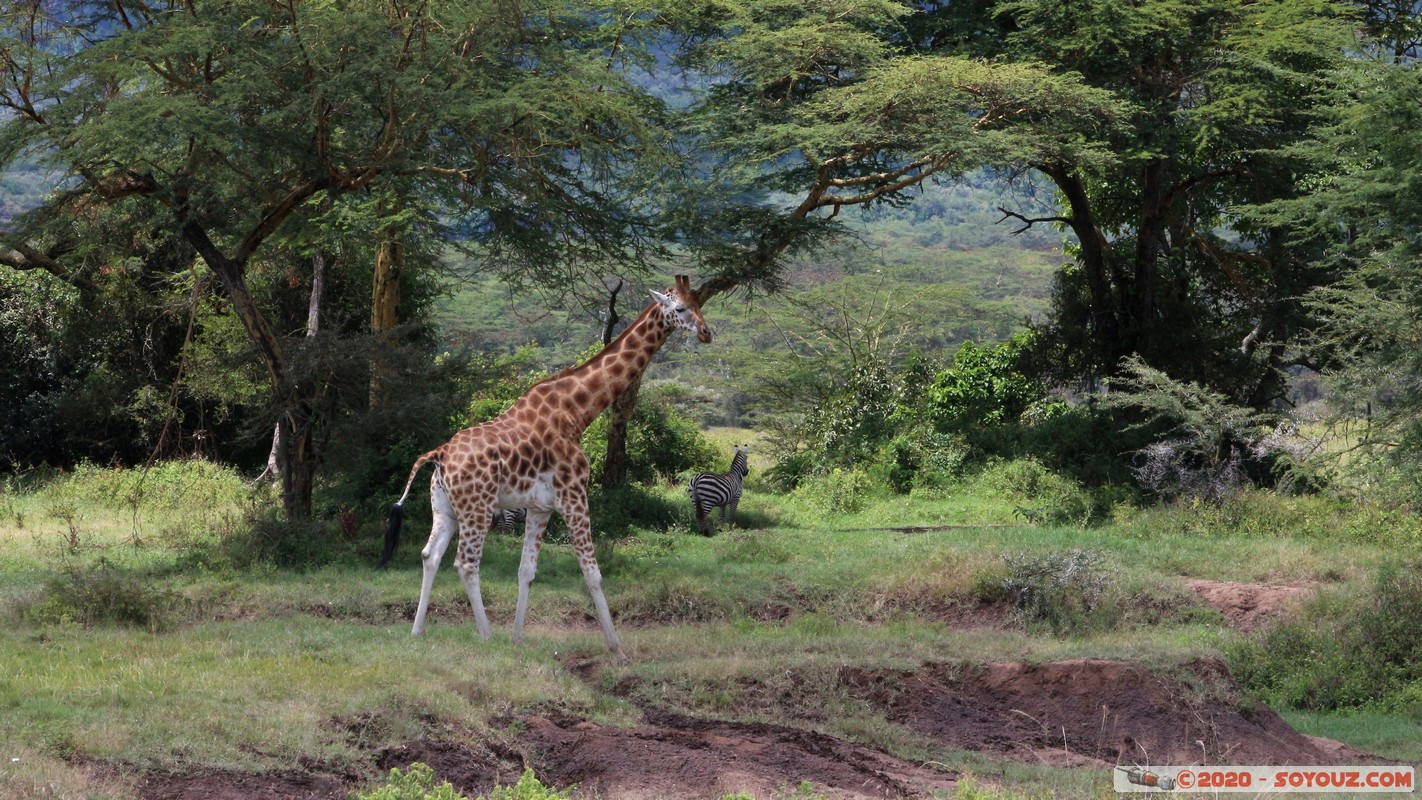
x: 471, y: 772
x: 1248, y: 605
x: 675, y: 756
x: 1088, y: 712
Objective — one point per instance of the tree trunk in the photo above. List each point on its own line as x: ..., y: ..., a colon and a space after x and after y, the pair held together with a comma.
x: 384, y: 308
x: 313, y: 326
x: 298, y: 464
x: 298, y: 457
x: 614, y: 466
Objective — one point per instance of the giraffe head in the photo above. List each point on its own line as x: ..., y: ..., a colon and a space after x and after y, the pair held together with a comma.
x: 681, y: 309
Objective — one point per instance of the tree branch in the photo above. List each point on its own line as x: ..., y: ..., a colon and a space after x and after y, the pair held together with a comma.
x: 1028, y: 222
x: 23, y: 257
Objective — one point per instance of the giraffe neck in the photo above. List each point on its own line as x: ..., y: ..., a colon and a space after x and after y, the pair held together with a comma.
x: 577, y: 395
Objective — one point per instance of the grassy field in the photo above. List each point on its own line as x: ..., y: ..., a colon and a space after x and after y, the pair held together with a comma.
x: 141, y: 633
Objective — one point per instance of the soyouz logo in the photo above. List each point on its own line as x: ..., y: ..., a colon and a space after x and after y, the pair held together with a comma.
x: 1265, y: 779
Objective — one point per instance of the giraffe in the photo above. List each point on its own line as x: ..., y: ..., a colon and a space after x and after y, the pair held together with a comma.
x: 531, y: 457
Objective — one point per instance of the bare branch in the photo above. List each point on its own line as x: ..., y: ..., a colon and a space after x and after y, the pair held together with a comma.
x: 1028, y: 222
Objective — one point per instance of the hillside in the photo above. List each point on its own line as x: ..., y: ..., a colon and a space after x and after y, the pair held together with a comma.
x: 932, y: 274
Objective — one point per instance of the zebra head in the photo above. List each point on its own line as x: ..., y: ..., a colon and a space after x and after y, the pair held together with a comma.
x: 739, y: 464
x: 681, y: 308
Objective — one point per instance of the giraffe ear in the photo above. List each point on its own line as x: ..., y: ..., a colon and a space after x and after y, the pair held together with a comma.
x: 664, y: 299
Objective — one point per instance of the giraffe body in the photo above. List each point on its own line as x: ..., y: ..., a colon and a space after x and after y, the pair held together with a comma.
x: 531, y: 457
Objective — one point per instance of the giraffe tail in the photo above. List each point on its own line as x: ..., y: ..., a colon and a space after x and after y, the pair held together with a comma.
x: 397, y: 511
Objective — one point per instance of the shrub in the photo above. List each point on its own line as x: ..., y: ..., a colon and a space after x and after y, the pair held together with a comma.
x: 842, y: 491
x: 923, y: 459
x: 1209, y: 447
x: 661, y: 444
x: 1065, y: 590
x: 418, y: 783
x: 167, y: 485
x: 616, y: 511
x: 101, y: 596
x: 1344, y: 652
x: 986, y: 386
x: 853, y: 421
x: 1046, y: 497
x: 265, y: 536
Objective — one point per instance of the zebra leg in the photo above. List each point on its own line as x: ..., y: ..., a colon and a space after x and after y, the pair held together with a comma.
x: 732, y: 503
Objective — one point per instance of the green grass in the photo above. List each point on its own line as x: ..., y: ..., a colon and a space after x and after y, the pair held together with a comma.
x: 253, y: 667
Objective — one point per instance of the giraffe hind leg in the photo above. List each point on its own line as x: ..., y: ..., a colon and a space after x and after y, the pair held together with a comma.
x: 445, y: 526
x: 474, y: 529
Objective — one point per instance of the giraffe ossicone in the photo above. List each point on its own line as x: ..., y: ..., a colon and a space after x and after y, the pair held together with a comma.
x: 531, y: 457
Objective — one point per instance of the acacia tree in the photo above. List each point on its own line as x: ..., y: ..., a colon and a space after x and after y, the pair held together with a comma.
x: 230, y: 124
x: 809, y: 109
x: 1362, y: 215
x: 1166, y: 265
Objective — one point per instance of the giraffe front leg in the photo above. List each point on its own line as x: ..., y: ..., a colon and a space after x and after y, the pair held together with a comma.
x: 535, y: 525
x: 466, y: 563
x: 575, y: 514
x: 445, y: 526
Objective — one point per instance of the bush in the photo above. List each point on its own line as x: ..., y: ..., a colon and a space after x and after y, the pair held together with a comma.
x: 986, y: 386
x: 842, y: 491
x: 101, y: 596
x: 661, y: 445
x: 923, y: 459
x: 852, y: 422
x: 1362, y: 652
x: 1065, y: 591
x: 418, y: 783
x: 265, y: 536
x: 1209, y: 449
x: 1046, y: 497
x: 616, y: 511
x: 167, y: 485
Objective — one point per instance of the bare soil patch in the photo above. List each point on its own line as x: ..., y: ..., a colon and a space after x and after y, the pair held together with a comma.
x: 675, y: 756
x: 206, y: 783
x: 1248, y: 605
x: 1089, y: 712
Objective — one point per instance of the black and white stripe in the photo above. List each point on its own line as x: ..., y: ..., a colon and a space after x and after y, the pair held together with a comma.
x: 710, y: 489
x: 506, y: 518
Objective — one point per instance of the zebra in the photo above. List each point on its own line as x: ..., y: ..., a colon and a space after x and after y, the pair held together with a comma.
x: 506, y: 518
x: 711, y: 489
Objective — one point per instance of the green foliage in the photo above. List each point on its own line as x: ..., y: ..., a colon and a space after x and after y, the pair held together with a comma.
x: 1045, y: 497
x: 986, y: 386
x: 165, y: 485
x: 418, y: 783
x: 662, y: 445
x: 839, y: 491
x: 1162, y: 251
x: 1208, y: 447
x: 852, y: 422
x: 101, y: 596
x: 1365, y: 167
x: 266, y: 536
x: 1344, y: 652
x: 924, y: 459
x: 616, y: 511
